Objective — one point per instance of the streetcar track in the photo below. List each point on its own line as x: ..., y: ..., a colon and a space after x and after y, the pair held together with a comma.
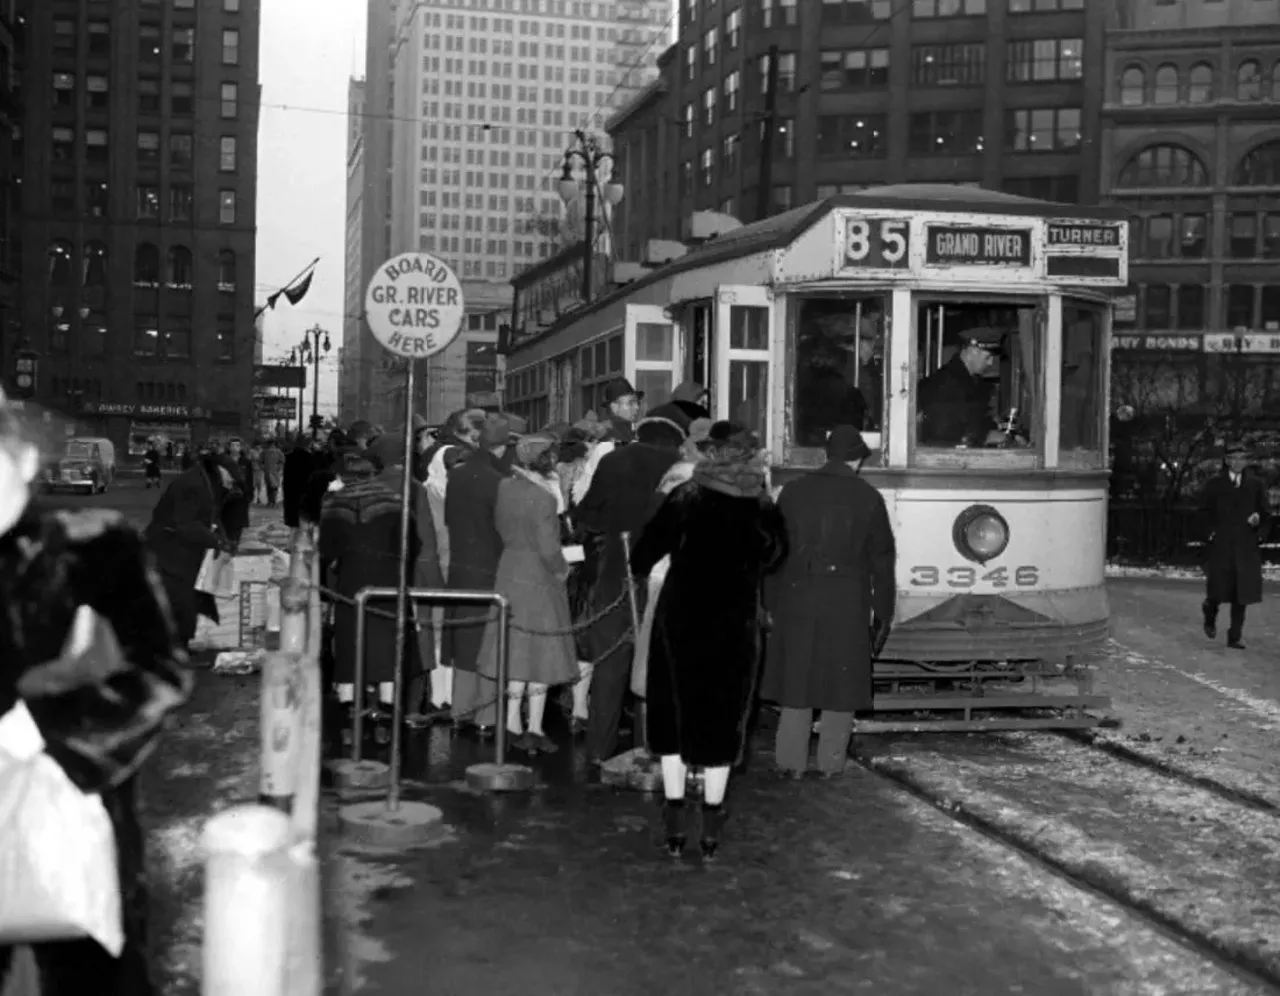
x: 1251, y: 969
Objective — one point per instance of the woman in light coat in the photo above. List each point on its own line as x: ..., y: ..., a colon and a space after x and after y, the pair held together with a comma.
x: 531, y: 573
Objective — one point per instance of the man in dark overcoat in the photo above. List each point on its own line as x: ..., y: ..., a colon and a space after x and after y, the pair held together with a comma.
x: 299, y: 465
x: 832, y: 605
x: 470, y: 502
x: 620, y: 501
x: 1235, y: 506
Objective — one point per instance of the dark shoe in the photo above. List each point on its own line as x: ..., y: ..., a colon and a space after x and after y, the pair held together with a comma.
x: 520, y: 741
x: 1235, y: 643
x: 712, y: 823
x: 1210, y: 623
x: 673, y: 826
x: 540, y: 743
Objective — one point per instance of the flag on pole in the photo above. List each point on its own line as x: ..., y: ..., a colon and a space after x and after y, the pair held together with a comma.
x: 295, y: 291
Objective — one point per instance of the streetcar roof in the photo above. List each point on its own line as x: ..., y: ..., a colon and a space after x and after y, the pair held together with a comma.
x: 780, y: 230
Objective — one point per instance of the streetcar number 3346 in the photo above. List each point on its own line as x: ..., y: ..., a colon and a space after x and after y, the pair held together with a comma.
x: 876, y: 241
x: 968, y: 577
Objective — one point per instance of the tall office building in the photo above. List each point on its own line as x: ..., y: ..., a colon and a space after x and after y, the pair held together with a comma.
x: 353, y: 266
x: 10, y: 182
x: 481, y: 98
x: 138, y: 215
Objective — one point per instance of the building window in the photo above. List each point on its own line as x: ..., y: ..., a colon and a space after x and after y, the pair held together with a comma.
x: 226, y: 339
x: 148, y: 201
x: 181, y: 149
x: 1239, y: 306
x: 1166, y: 91
x: 1193, y: 230
x: 780, y: 198
x: 1191, y: 307
x: 178, y: 270
x: 729, y: 147
x: 857, y: 69
x: 95, y: 198
x: 1158, y: 243
x: 731, y: 85
x: 95, y: 264
x: 853, y: 11
x: 1271, y: 236
x: 146, y: 334
x: 230, y: 47
x: 227, y: 207
x: 181, y: 202
x: 1043, y: 130
x: 95, y: 145
x: 1158, y: 307
x: 146, y: 266
x: 177, y: 337
x: 149, y: 42
x: 181, y: 98
x: 61, y: 254
x: 1061, y: 188
x: 183, y: 48
x: 1046, y: 59
x: 733, y: 29
x: 707, y: 167
x: 148, y: 147
x: 945, y: 133
x: 1133, y: 87
x: 64, y: 34
x: 1260, y: 167
x: 710, y: 45
x: 227, y: 271
x: 1164, y: 166
x: 1249, y: 81
x: 148, y: 96
x: 1027, y: 6
x: 709, y: 106
x: 481, y: 368
x: 230, y: 98
x: 93, y: 333
x: 786, y: 73
x: 62, y: 196
x: 857, y: 136
x: 778, y: 13
x: 231, y: 6
x: 1243, y: 238
x: 184, y: 4
x: 64, y: 144
x: 948, y: 8
x: 690, y: 63
x: 227, y: 154
x: 1200, y: 84
x: 64, y: 90
x: 96, y: 92
x: 690, y: 115
x: 99, y: 38
x: 949, y: 65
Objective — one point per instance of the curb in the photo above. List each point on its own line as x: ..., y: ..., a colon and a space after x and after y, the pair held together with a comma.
x: 1082, y: 874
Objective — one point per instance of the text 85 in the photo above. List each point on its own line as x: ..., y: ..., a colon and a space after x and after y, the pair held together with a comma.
x: 876, y: 242
x: 962, y: 578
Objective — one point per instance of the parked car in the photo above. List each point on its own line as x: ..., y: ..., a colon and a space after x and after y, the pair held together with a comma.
x: 88, y: 465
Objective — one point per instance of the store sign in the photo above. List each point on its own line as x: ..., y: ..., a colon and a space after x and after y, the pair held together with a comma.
x: 1251, y: 343
x: 947, y: 245
x: 141, y: 411
x: 1183, y: 343
x: 281, y: 377
x: 276, y: 407
x: 1059, y: 234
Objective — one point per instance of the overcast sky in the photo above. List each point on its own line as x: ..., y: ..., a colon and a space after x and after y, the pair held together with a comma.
x: 310, y: 49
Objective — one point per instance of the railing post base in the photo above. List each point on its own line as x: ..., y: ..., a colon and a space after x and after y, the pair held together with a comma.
x: 372, y: 824
x: 490, y: 777
x: 354, y: 775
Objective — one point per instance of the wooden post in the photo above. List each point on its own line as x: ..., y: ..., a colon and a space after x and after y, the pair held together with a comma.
x: 247, y: 898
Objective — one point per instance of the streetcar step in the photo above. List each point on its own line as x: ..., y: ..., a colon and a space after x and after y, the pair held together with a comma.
x: 973, y: 725
x: 1031, y: 700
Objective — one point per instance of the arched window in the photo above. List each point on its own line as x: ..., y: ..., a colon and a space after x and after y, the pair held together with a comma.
x: 226, y: 270
x: 1133, y: 86
x: 61, y: 253
x: 1164, y: 166
x: 1260, y: 167
x: 95, y: 264
x: 1166, y: 85
x: 1200, y: 90
x: 179, y: 270
x: 1249, y: 81
x: 146, y: 266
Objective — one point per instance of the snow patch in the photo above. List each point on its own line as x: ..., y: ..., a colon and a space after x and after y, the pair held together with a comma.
x: 1169, y: 572
x: 355, y: 882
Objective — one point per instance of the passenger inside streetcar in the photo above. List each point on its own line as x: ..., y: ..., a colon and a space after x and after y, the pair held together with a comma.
x: 839, y: 377
x: 981, y: 387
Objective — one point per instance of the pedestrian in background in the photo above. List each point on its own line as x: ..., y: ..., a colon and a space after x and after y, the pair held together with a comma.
x: 724, y: 535
x: 832, y: 605
x: 298, y: 467
x: 272, y: 468
x: 1238, y: 518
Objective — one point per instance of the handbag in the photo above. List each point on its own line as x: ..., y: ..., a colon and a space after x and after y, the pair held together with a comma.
x: 57, y: 848
x: 217, y: 575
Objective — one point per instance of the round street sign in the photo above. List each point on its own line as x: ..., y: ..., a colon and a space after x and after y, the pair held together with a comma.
x: 414, y: 305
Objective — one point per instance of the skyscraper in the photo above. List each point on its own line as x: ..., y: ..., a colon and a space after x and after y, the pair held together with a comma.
x: 139, y: 215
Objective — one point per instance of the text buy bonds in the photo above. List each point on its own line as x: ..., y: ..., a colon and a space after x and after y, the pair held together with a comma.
x: 414, y: 305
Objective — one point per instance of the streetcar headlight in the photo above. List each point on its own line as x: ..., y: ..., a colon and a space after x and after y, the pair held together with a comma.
x: 980, y: 533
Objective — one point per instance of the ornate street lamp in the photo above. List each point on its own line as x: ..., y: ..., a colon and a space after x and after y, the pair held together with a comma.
x: 592, y: 157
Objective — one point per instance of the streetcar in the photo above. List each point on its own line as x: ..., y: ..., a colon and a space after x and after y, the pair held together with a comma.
x: 1002, y: 602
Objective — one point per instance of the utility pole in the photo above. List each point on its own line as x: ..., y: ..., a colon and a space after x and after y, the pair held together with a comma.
x: 764, y: 192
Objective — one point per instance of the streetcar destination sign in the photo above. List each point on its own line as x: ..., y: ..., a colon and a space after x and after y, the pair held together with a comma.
x: 947, y: 245
x: 414, y: 305
x: 1103, y: 236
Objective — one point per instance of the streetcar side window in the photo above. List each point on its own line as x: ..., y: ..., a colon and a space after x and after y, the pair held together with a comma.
x: 978, y: 375
x: 839, y: 366
x: 1082, y: 379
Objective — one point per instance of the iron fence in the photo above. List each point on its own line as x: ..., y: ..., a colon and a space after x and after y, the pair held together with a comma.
x: 1152, y: 533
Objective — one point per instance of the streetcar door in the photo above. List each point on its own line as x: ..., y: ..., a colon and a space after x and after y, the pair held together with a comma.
x: 653, y: 360
x: 698, y: 343
x: 743, y: 348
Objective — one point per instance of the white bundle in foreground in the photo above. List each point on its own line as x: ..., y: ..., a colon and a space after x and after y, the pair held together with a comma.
x: 57, y: 848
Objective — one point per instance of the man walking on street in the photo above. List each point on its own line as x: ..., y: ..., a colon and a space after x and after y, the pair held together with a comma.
x: 832, y: 605
x: 1235, y: 504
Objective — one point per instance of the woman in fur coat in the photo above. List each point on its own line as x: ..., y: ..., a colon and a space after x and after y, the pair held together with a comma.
x: 99, y: 700
x: 723, y: 534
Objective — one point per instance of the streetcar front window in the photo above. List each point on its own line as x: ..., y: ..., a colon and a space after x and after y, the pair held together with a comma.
x: 978, y: 366
x: 839, y: 366
x: 1083, y: 367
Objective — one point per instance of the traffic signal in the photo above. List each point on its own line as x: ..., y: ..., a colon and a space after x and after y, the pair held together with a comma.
x: 26, y: 369
x: 317, y: 421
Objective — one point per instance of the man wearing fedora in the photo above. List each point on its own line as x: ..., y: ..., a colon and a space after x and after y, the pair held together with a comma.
x: 1235, y: 505
x: 624, y: 408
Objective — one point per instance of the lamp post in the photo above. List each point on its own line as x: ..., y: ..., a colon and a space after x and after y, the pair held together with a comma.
x: 592, y: 157
x: 314, y: 340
